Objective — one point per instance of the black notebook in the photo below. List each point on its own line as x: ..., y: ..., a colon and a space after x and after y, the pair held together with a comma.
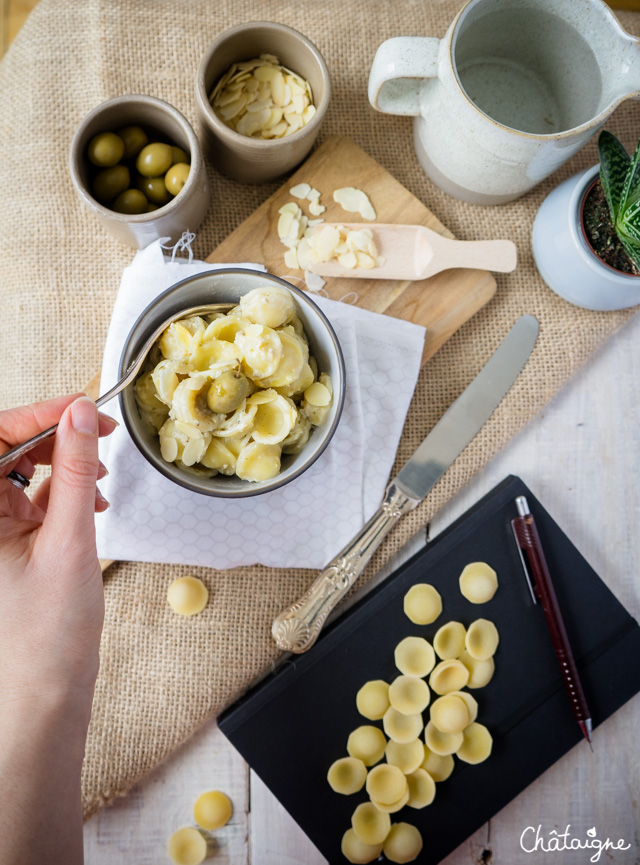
x: 295, y: 723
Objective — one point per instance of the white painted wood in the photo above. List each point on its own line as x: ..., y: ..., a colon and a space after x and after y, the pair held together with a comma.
x: 417, y: 252
x: 581, y: 457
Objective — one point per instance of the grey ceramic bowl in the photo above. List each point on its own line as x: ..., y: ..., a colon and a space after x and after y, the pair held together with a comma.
x: 185, y: 212
x: 250, y: 160
x: 228, y: 285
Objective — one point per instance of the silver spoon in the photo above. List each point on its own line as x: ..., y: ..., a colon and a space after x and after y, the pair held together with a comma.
x: 19, y: 450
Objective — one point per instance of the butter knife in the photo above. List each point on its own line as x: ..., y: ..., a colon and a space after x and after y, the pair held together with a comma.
x: 296, y: 628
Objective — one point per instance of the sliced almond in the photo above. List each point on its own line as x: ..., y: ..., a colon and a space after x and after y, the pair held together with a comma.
x: 354, y: 201
x: 291, y: 259
x: 300, y: 190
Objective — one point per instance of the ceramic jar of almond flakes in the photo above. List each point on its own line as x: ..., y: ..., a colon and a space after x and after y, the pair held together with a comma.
x: 262, y: 91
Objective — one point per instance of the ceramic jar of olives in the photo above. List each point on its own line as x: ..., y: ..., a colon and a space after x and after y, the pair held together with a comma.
x: 136, y: 163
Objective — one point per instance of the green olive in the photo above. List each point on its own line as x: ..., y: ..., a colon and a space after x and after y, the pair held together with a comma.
x: 154, y: 159
x: 130, y: 201
x: 176, y: 177
x: 134, y: 138
x: 227, y: 391
x: 110, y: 182
x: 151, y: 207
x: 154, y: 189
x: 105, y: 149
x: 179, y: 155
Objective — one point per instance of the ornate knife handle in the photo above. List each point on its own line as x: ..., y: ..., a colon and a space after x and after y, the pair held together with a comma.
x: 296, y: 629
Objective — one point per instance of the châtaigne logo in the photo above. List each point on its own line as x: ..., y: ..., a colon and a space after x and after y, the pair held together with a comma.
x: 534, y: 840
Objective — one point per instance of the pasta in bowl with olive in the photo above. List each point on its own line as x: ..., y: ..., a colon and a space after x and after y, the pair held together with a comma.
x: 232, y: 393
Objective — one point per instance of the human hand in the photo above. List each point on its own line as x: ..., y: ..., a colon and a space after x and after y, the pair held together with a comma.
x: 51, y: 594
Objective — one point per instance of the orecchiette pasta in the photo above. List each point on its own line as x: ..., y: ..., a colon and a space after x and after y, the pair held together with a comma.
x: 372, y: 700
x: 356, y: 851
x: 449, y: 640
x: 422, y: 604
x: 409, y: 695
x: 448, y: 676
x: 401, y: 728
x: 347, y: 775
x: 441, y: 743
x: 422, y: 789
x: 370, y: 824
x: 480, y: 672
x: 437, y: 765
x: 478, y: 582
x: 482, y: 639
x: 367, y: 743
x: 231, y: 393
x: 386, y: 784
x: 414, y: 656
x: 407, y: 756
x: 450, y: 714
x: 476, y: 744
x: 403, y: 843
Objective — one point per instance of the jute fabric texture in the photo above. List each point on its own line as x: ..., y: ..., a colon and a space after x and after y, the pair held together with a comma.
x: 161, y: 676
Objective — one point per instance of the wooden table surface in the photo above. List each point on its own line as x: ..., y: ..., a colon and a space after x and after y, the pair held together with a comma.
x: 581, y: 458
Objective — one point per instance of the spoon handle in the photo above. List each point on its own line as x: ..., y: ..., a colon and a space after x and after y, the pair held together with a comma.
x: 21, y: 449
x: 499, y: 256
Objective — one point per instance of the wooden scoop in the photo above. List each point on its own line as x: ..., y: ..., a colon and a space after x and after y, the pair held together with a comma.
x: 416, y: 252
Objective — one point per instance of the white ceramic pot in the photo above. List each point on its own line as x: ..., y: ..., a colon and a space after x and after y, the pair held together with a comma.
x: 565, y: 260
x: 513, y: 90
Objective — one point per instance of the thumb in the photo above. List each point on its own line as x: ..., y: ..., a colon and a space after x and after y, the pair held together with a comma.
x: 69, y: 520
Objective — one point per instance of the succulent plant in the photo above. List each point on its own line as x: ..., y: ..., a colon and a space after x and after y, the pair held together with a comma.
x: 620, y: 178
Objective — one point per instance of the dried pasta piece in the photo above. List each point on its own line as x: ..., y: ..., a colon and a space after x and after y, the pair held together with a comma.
x: 482, y: 639
x: 370, y: 825
x: 398, y: 805
x: 347, y: 775
x: 451, y: 675
x: 401, y: 728
x: 367, y: 743
x: 472, y: 703
x: 409, y: 695
x: 478, y: 582
x: 422, y: 789
x: 450, y: 714
x: 476, y: 744
x: 441, y: 743
x: 372, y: 700
x: 414, y: 656
x: 439, y: 766
x: 385, y: 784
x: 407, y: 756
x: 422, y: 604
x: 356, y: 851
x: 449, y: 640
x: 270, y: 305
x: 212, y: 810
x: 187, y: 596
x: 480, y: 672
x: 187, y: 847
x: 403, y: 843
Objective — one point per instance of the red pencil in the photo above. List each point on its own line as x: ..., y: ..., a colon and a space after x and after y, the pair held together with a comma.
x: 528, y: 540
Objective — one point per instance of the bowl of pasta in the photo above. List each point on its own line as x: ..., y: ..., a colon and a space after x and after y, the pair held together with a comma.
x: 238, y: 401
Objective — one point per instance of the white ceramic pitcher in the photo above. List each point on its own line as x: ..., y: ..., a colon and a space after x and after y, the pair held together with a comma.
x: 513, y: 90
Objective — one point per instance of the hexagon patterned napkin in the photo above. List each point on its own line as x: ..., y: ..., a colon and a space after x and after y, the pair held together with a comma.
x: 306, y: 522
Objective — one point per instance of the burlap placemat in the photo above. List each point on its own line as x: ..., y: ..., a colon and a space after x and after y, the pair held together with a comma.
x: 162, y: 677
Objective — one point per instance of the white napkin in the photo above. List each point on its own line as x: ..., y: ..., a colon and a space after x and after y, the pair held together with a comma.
x: 306, y: 522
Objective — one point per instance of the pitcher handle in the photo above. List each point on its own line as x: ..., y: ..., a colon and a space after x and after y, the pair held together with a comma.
x: 400, y: 66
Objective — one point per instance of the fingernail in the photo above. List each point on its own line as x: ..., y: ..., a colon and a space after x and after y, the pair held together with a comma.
x: 101, y: 498
x: 108, y: 418
x: 103, y: 471
x: 84, y: 417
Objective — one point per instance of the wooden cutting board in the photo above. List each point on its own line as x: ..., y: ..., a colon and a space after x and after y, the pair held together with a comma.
x: 442, y: 303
